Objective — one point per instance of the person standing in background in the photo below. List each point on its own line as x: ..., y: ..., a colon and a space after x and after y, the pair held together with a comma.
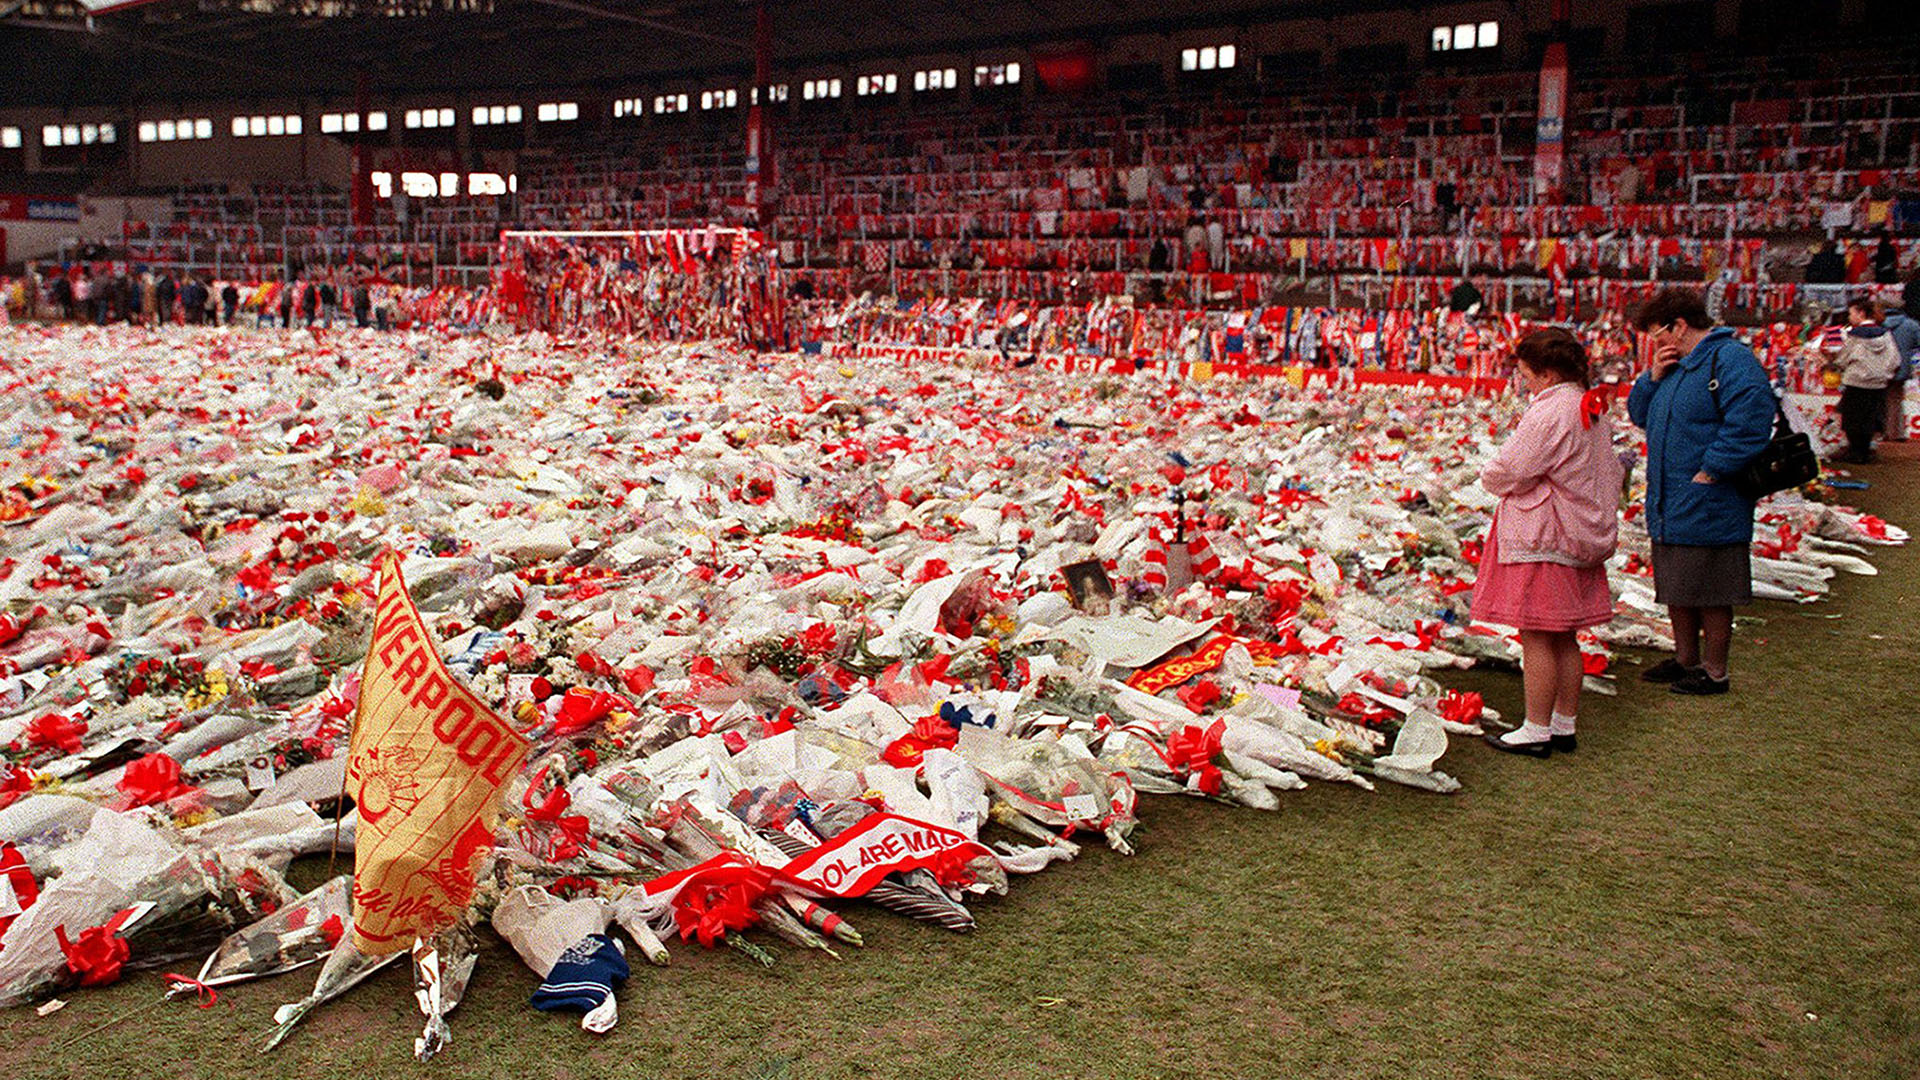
x: 1906, y: 340
x: 1466, y: 298
x: 1886, y: 260
x: 1707, y: 410
x: 1194, y: 245
x: 125, y: 301
x: 61, y: 294
x: 164, y: 290
x: 1867, y: 362
x: 1826, y: 273
x: 229, y: 303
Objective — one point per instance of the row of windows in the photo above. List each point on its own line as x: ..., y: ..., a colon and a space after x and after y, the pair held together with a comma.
x: 996, y: 74
x: 244, y: 126
x: 496, y: 114
x: 426, y: 185
x: 182, y: 130
x: 77, y: 134
x: 334, y: 123
x: 1463, y: 36
x: 428, y: 118
x: 1209, y: 58
x: 936, y: 79
x: 1483, y: 35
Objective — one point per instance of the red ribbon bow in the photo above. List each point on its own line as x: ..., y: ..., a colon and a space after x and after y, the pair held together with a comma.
x: 96, y: 956
x: 552, y: 809
x: 949, y: 867
x: 720, y: 900
x: 1366, y: 709
x: 152, y: 779
x: 1198, y: 696
x: 581, y: 709
x: 1461, y: 708
x: 1191, y: 751
x: 56, y: 732
x: 1593, y: 405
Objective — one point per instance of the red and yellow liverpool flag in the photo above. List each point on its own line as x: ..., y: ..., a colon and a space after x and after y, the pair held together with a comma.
x: 426, y: 765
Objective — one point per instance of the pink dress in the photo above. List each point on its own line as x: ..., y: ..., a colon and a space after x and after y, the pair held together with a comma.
x: 1539, y: 595
x: 1558, y: 483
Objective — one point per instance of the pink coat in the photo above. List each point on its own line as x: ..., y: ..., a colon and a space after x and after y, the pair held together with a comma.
x: 1559, y: 484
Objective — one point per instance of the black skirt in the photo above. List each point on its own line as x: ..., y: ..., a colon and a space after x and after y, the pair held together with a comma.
x: 1698, y: 575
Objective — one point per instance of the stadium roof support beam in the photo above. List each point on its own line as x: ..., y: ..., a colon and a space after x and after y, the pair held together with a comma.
x: 93, y: 28
x: 638, y: 20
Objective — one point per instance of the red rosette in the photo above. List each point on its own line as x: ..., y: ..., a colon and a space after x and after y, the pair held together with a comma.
x: 97, y: 955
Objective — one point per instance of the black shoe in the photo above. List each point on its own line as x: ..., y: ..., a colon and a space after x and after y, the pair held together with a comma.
x: 1565, y: 744
x: 1700, y: 684
x: 1529, y: 749
x: 1667, y: 671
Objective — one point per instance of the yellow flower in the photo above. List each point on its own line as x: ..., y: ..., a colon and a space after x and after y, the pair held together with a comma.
x: 368, y: 501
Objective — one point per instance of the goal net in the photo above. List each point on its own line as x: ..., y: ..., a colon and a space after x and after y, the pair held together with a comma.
x: 659, y: 284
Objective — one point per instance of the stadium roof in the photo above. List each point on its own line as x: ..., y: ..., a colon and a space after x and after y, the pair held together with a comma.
x: 57, y: 52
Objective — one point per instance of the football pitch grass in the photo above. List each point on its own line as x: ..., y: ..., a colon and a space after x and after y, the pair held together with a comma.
x: 1716, y: 887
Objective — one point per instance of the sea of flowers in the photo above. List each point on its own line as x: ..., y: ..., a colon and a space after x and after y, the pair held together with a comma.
x: 739, y: 603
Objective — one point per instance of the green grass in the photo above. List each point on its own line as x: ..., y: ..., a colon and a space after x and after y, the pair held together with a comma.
x: 1675, y: 900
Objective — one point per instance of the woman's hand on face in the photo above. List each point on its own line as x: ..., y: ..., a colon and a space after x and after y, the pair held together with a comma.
x: 1665, y: 359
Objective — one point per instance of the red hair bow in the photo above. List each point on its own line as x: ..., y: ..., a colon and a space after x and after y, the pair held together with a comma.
x: 1593, y: 405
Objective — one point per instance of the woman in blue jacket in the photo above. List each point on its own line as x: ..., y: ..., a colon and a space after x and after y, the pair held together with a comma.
x: 1707, y: 411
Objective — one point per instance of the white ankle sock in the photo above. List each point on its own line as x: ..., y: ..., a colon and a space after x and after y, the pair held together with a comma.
x: 1528, y: 732
x: 1563, y: 725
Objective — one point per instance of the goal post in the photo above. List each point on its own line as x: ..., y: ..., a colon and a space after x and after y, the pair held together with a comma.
x: 685, y: 284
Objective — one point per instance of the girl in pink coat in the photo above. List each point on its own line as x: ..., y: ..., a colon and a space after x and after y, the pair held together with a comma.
x: 1543, y: 569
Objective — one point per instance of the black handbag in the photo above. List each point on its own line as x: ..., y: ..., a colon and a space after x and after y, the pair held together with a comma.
x: 1787, y: 460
